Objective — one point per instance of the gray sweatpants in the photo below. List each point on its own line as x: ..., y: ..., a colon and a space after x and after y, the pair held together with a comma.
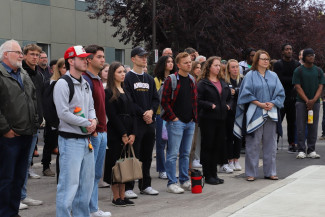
x: 267, y: 135
x: 301, y: 121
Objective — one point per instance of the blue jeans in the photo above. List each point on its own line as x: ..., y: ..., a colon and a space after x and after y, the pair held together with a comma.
x: 76, y: 180
x: 180, y: 137
x: 30, y: 157
x: 99, y: 143
x: 160, y: 145
x: 13, y: 167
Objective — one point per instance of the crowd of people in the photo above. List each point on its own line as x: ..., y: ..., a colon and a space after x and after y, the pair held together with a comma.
x: 197, y: 110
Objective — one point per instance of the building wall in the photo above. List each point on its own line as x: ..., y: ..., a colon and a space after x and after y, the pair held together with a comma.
x: 59, y: 23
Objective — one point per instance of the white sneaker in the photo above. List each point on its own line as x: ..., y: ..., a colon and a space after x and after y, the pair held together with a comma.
x: 130, y: 194
x: 173, y: 188
x: 225, y: 169
x: 32, y: 174
x: 301, y: 155
x: 31, y: 202
x: 162, y: 175
x: 149, y: 191
x: 237, y: 166
x: 196, y: 164
x: 231, y: 165
x: 313, y: 155
x: 100, y: 213
x: 186, y: 185
x: 22, y: 206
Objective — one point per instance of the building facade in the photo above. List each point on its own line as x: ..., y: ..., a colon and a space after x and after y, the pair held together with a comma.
x: 56, y: 25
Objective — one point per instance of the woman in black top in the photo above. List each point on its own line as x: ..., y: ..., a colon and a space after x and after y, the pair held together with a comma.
x: 213, y: 103
x: 120, y: 127
x: 233, y: 79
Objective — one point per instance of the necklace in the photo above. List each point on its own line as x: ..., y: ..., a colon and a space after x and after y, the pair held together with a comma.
x: 139, y: 78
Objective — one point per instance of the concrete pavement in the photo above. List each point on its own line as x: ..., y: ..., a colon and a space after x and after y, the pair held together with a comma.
x: 301, y: 195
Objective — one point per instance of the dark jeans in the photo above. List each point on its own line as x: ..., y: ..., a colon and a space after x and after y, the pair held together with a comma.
x: 13, y: 168
x: 289, y: 110
x: 50, y: 143
x: 213, y: 146
x: 143, y: 147
x: 301, y: 112
x: 233, y: 143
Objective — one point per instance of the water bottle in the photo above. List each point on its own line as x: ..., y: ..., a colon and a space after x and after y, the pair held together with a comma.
x: 310, y: 117
x: 78, y: 111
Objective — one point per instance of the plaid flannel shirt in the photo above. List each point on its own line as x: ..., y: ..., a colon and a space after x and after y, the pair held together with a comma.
x: 167, y: 103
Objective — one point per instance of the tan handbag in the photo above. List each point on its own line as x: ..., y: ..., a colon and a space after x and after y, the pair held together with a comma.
x: 128, y: 168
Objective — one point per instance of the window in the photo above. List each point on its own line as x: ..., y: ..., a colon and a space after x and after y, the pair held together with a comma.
x: 120, y: 55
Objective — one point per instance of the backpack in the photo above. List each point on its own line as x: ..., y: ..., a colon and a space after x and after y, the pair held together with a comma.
x: 50, y: 114
x: 174, y: 85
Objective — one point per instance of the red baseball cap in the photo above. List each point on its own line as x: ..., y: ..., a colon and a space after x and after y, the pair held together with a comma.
x: 75, y: 51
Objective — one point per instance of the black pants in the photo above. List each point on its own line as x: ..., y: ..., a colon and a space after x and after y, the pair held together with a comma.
x: 143, y: 147
x: 213, y: 142
x: 289, y: 110
x: 233, y: 142
x: 50, y: 143
x: 13, y: 168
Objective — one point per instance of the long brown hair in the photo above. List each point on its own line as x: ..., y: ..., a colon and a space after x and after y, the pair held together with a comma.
x: 111, y: 80
x: 56, y: 71
x: 257, y: 58
x: 207, y: 66
x: 194, y: 64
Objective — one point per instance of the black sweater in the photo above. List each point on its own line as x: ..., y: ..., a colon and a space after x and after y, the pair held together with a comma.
x: 38, y: 82
x: 142, y: 89
x: 208, y: 94
x: 120, y: 113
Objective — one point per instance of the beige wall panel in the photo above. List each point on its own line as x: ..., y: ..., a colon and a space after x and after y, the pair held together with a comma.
x: 101, y: 35
x: 36, y: 22
x: 86, y: 29
x: 63, y: 25
x: 16, y: 24
x: 57, y: 50
x: 5, y: 13
x: 70, y: 4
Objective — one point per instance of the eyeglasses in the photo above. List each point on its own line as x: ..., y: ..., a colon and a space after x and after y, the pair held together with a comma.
x: 15, y: 51
x: 265, y: 59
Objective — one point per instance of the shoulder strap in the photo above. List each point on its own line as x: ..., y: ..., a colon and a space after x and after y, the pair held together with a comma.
x: 174, y: 83
x: 89, y: 81
x: 192, y: 78
x: 70, y: 84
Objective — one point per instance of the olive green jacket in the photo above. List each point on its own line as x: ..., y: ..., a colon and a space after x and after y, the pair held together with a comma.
x: 18, y: 110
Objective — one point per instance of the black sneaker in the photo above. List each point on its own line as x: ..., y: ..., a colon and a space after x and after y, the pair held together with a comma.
x: 128, y: 202
x: 292, y: 149
x: 118, y: 202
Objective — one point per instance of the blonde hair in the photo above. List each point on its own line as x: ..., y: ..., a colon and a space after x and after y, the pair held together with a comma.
x: 32, y: 47
x: 56, y: 72
x: 227, y: 74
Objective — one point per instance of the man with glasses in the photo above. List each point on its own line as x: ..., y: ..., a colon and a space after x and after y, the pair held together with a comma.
x: 308, y: 80
x: 43, y: 67
x: 18, y: 124
x: 284, y: 69
x: 31, y: 57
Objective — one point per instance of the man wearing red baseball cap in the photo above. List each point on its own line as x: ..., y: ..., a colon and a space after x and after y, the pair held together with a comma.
x: 76, y: 154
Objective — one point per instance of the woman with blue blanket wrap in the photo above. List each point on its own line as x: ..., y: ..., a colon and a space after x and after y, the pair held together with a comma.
x: 260, y: 97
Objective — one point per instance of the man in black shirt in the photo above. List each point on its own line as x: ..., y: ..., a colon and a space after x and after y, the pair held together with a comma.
x: 284, y: 68
x: 180, y: 107
x: 142, y: 89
